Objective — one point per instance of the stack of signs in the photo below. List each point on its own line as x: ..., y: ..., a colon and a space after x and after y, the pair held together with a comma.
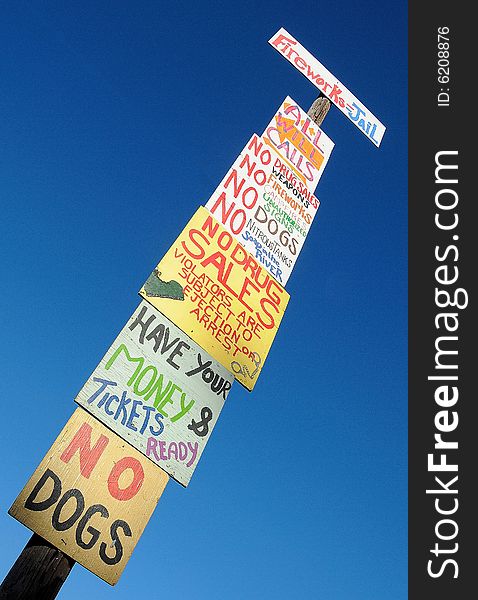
x: 214, y: 304
x: 220, y: 296
x: 91, y: 496
x: 159, y: 395
x: 266, y: 199
x: 159, y: 391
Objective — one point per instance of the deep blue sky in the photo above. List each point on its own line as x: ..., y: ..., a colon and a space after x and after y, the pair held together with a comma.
x: 117, y: 120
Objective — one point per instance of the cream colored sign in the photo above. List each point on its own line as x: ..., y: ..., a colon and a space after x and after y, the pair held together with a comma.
x: 91, y: 496
x: 219, y: 295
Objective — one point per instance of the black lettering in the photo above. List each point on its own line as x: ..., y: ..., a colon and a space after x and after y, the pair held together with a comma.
x: 157, y: 334
x: 207, y: 375
x: 201, y: 428
x: 95, y: 534
x: 116, y: 542
x: 217, y: 384
x: 144, y: 325
x: 80, y: 505
x: 259, y: 217
x: 200, y: 368
x: 177, y: 351
x: 226, y: 388
x: 55, y: 493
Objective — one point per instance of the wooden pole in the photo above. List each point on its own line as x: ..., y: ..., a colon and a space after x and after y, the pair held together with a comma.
x: 38, y: 573
x: 41, y: 569
x: 319, y: 109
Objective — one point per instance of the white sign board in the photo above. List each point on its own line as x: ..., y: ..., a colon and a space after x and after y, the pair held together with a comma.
x: 300, y: 142
x: 327, y: 83
x: 159, y: 391
x: 266, y: 207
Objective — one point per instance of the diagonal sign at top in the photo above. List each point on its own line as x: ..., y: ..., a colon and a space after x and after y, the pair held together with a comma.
x: 327, y: 83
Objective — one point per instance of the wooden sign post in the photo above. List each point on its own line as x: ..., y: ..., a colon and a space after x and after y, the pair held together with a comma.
x: 42, y: 568
x: 38, y: 573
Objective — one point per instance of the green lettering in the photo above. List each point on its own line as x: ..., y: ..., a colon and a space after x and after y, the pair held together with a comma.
x: 160, y: 393
x: 123, y: 348
x: 184, y: 409
x: 140, y: 378
x: 168, y: 398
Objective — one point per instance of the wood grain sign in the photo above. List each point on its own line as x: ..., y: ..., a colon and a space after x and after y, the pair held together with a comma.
x: 91, y: 496
x: 157, y: 389
x: 218, y: 293
x: 265, y: 205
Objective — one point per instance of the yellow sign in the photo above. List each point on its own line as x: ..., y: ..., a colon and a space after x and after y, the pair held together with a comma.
x: 91, y: 496
x: 220, y: 295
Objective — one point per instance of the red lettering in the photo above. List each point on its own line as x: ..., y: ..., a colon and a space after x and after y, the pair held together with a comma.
x: 334, y: 94
x: 255, y: 145
x: 218, y: 260
x: 239, y: 249
x: 255, y: 196
x: 300, y: 63
x: 224, y: 240
x: 250, y: 167
x: 238, y: 216
x: 263, y: 303
x: 245, y: 292
x: 128, y: 462
x: 211, y: 226
x: 225, y: 212
x: 282, y: 39
x: 193, y: 233
x: 88, y: 456
x: 242, y: 221
x: 233, y: 177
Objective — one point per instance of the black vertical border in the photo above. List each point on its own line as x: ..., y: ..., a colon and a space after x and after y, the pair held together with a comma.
x: 433, y: 129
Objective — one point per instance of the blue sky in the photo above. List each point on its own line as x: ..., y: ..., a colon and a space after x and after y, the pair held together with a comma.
x: 118, y: 120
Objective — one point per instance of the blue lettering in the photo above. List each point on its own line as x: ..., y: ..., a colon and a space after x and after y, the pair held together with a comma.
x: 121, y: 408
x: 104, y: 384
x: 107, y: 405
x: 132, y: 415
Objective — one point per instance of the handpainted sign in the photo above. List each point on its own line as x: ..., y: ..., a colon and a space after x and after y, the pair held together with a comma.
x: 327, y: 83
x: 266, y: 207
x: 219, y: 295
x: 303, y: 146
x: 159, y: 391
x: 91, y: 496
